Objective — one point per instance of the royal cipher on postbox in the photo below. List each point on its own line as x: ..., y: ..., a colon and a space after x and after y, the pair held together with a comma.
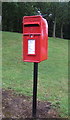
x: 35, y: 39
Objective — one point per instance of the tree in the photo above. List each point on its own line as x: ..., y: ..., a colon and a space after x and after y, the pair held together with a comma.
x: 12, y: 14
x: 62, y: 17
x: 56, y: 13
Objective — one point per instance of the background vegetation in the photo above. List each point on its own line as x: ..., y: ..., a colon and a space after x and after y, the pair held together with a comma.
x: 56, y: 13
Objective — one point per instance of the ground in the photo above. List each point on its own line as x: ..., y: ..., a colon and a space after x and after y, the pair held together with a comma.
x: 20, y: 106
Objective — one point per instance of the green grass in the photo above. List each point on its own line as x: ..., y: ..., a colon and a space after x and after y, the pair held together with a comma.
x: 52, y: 74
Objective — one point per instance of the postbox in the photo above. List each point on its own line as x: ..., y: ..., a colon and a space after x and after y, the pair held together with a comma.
x: 35, y: 39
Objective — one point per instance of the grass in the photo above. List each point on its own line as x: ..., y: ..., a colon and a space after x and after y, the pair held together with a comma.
x: 52, y: 74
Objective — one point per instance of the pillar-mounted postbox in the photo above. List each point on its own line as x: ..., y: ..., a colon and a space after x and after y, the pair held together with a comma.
x: 35, y: 39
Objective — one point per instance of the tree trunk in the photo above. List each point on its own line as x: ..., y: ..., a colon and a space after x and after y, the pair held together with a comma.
x: 62, y: 31
x: 54, y: 28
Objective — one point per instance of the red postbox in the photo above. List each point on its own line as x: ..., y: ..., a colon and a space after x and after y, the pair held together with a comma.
x: 35, y: 39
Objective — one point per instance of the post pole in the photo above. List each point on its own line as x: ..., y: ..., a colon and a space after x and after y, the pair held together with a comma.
x: 35, y: 75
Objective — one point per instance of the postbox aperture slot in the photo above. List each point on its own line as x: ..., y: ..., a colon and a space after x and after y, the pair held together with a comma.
x: 31, y: 25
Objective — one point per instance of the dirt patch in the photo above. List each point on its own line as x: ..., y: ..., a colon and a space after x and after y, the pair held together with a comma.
x: 20, y: 106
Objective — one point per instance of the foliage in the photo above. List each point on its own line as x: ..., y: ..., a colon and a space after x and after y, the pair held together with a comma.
x: 13, y: 12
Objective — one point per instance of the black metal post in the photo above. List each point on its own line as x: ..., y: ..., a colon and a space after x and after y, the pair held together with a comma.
x: 35, y: 89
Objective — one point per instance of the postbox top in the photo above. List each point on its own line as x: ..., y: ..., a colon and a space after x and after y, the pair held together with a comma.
x: 36, y: 18
x: 32, y: 16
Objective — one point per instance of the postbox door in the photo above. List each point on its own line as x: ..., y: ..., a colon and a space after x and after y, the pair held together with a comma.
x: 31, y: 48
